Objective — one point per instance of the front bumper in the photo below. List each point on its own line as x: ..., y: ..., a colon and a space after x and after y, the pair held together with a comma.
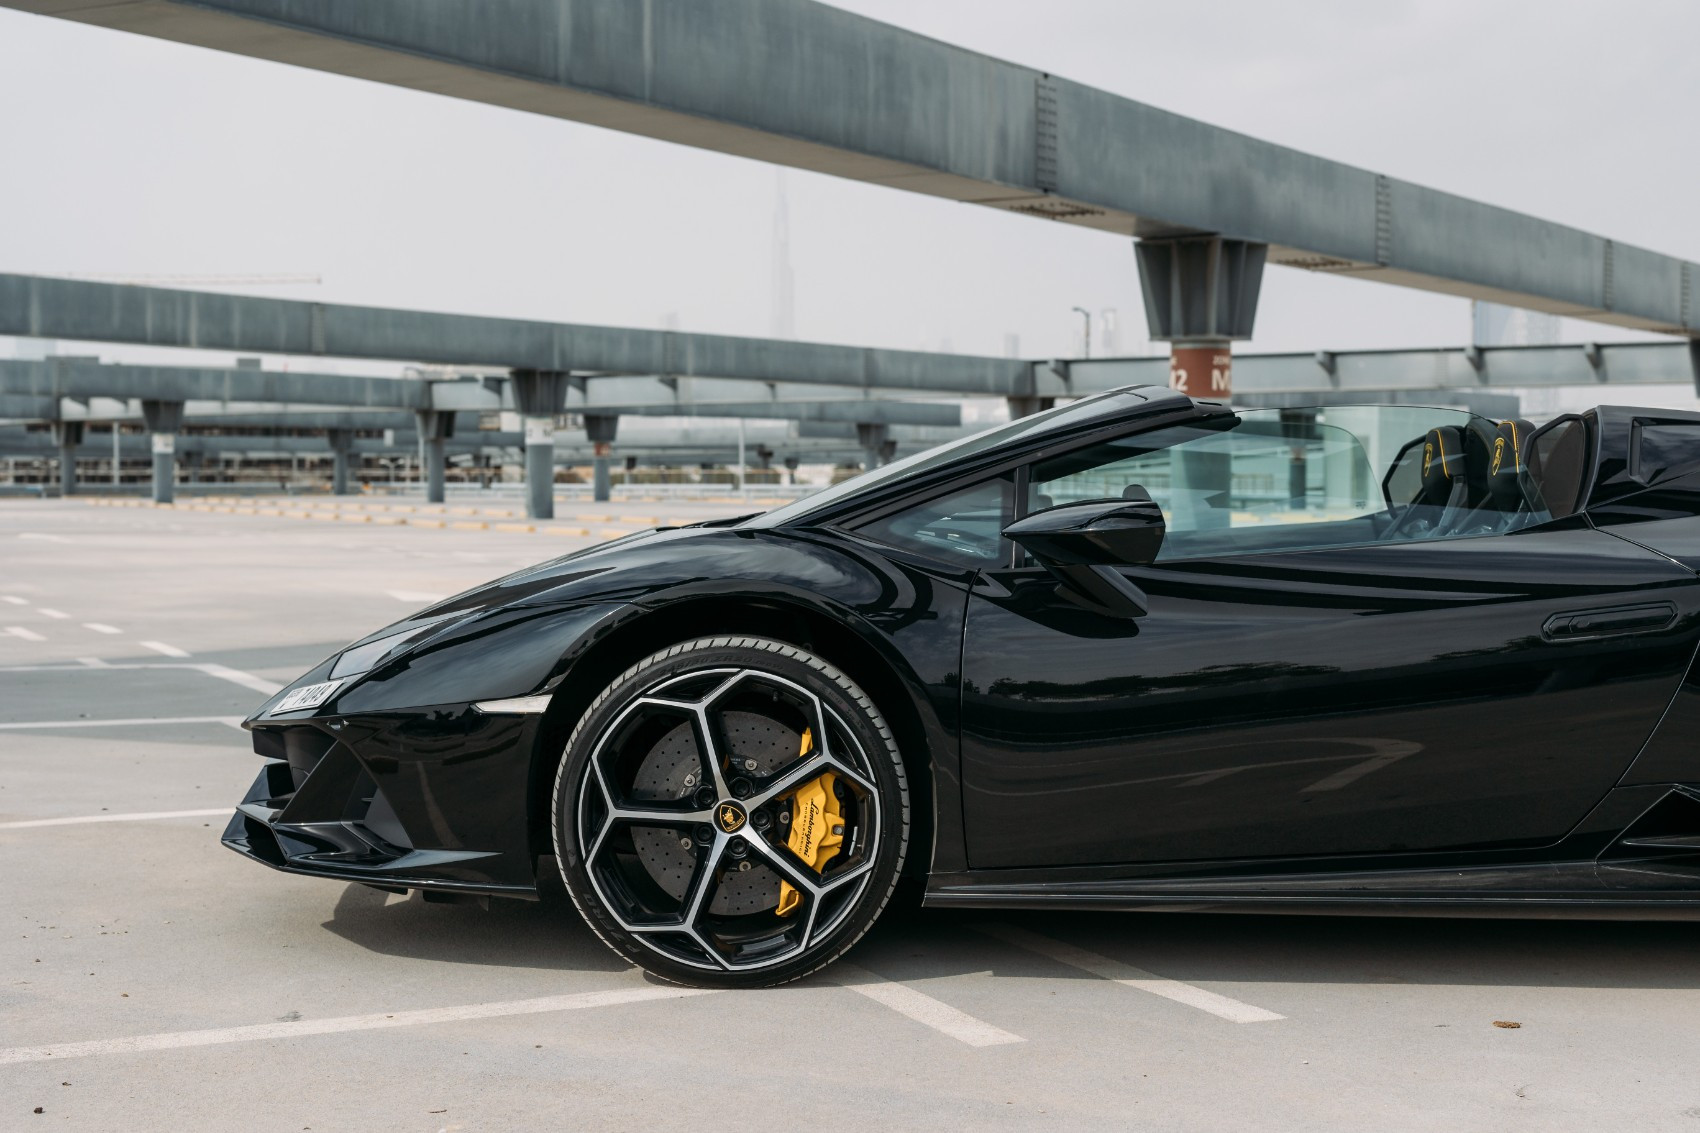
x: 435, y: 799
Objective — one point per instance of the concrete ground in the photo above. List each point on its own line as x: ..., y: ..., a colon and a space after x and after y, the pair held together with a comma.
x: 150, y: 979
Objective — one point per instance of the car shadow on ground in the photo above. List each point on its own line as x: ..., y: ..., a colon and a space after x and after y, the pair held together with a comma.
x: 912, y: 943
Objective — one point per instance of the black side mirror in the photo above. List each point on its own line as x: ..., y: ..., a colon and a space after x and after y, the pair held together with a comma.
x: 1082, y: 544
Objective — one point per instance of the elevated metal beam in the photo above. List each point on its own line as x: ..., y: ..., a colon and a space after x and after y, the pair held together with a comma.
x: 14, y: 442
x: 292, y: 392
x: 82, y: 378
x: 807, y: 85
x: 1372, y: 371
x: 43, y: 307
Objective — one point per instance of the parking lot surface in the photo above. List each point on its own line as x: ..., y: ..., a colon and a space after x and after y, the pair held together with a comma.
x: 151, y: 979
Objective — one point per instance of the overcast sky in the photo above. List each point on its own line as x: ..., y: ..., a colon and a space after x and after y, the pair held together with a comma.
x: 127, y: 155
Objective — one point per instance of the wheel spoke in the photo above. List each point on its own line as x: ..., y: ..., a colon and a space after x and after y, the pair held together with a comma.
x: 708, y: 752
x: 658, y: 815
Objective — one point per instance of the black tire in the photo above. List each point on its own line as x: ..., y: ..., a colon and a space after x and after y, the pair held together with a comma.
x: 695, y: 888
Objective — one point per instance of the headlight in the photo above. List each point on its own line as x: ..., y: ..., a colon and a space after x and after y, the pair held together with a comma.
x: 365, y: 658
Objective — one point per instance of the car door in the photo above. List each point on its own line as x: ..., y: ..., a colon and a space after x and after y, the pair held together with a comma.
x: 1318, y: 673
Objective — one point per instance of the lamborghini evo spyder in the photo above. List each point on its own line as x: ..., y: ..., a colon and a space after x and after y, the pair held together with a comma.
x: 1134, y: 652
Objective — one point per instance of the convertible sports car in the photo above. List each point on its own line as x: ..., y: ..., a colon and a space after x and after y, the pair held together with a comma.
x: 1136, y: 652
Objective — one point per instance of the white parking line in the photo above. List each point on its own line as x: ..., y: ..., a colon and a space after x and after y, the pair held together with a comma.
x: 237, y: 676
x: 136, y: 817
x: 84, y: 664
x: 1114, y: 970
x: 232, y: 721
x: 50, y: 613
x: 162, y: 647
x: 176, y: 1040
x: 26, y: 634
x: 923, y: 1009
x: 101, y: 627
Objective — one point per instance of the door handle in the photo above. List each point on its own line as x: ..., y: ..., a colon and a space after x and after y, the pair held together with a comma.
x: 1608, y: 622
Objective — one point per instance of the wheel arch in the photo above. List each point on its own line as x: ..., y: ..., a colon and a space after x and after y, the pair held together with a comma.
x: 882, y: 674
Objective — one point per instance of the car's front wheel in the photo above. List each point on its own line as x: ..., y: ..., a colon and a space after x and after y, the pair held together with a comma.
x: 731, y: 812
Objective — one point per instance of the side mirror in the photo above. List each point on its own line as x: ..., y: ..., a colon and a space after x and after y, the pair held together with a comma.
x: 1082, y: 544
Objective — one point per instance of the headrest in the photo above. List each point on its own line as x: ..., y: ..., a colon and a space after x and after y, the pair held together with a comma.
x: 1508, y: 464
x: 1443, y: 465
x: 1135, y: 492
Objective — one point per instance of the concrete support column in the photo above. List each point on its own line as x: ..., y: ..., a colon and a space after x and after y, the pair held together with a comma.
x: 600, y: 429
x: 342, y: 443
x: 164, y: 419
x: 791, y: 463
x: 435, y: 427
x: 1200, y: 296
x: 872, y: 437
x: 1027, y: 406
x: 67, y: 435
x: 539, y: 395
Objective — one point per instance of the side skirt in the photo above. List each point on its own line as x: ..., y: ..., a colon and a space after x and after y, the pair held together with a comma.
x: 1630, y: 889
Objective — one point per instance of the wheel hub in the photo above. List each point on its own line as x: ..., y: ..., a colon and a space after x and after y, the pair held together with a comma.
x: 671, y: 772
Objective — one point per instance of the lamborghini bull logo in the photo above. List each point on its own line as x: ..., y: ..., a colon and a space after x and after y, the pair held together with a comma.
x: 1428, y: 456
x: 731, y: 817
x: 1498, y: 455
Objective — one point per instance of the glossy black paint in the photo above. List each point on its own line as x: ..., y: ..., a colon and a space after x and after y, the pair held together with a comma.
x: 1387, y: 727
x: 1362, y: 700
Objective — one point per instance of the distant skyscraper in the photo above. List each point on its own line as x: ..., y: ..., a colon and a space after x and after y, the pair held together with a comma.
x: 784, y: 301
x: 1493, y: 324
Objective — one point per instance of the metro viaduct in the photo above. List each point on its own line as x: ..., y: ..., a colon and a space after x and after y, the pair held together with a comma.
x: 802, y: 84
x: 699, y: 374
x: 69, y: 392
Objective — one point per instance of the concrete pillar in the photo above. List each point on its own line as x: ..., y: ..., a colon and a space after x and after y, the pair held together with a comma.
x: 1027, y: 406
x: 791, y: 463
x: 1200, y: 295
x: 600, y: 429
x: 67, y: 435
x: 164, y: 419
x: 435, y: 427
x: 872, y: 438
x: 341, y: 442
x: 539, y: 395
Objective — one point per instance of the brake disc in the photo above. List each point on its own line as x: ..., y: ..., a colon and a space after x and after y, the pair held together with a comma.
x: 672, y: 771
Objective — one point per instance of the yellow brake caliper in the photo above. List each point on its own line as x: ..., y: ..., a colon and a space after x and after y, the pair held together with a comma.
x: 817, y: 827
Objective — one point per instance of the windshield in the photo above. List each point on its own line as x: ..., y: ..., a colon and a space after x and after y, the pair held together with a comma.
x: 1103, y: 404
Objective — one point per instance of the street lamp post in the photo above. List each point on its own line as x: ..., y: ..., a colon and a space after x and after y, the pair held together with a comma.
x: 1087, y: 315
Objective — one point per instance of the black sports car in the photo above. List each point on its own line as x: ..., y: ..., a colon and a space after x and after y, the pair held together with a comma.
x: 1135, y: 652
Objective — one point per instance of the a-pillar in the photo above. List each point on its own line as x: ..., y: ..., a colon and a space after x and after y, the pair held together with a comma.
x: 68, y: 435
x: 164, y: 419
x: 436, y: 426
x: 1200, y: 296
x: 539, y: 395
x: 600, y: 429
x: 872, y: 437
x: 342, y: 444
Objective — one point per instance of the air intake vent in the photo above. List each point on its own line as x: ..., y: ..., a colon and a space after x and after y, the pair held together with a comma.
x: 1669, y: 829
